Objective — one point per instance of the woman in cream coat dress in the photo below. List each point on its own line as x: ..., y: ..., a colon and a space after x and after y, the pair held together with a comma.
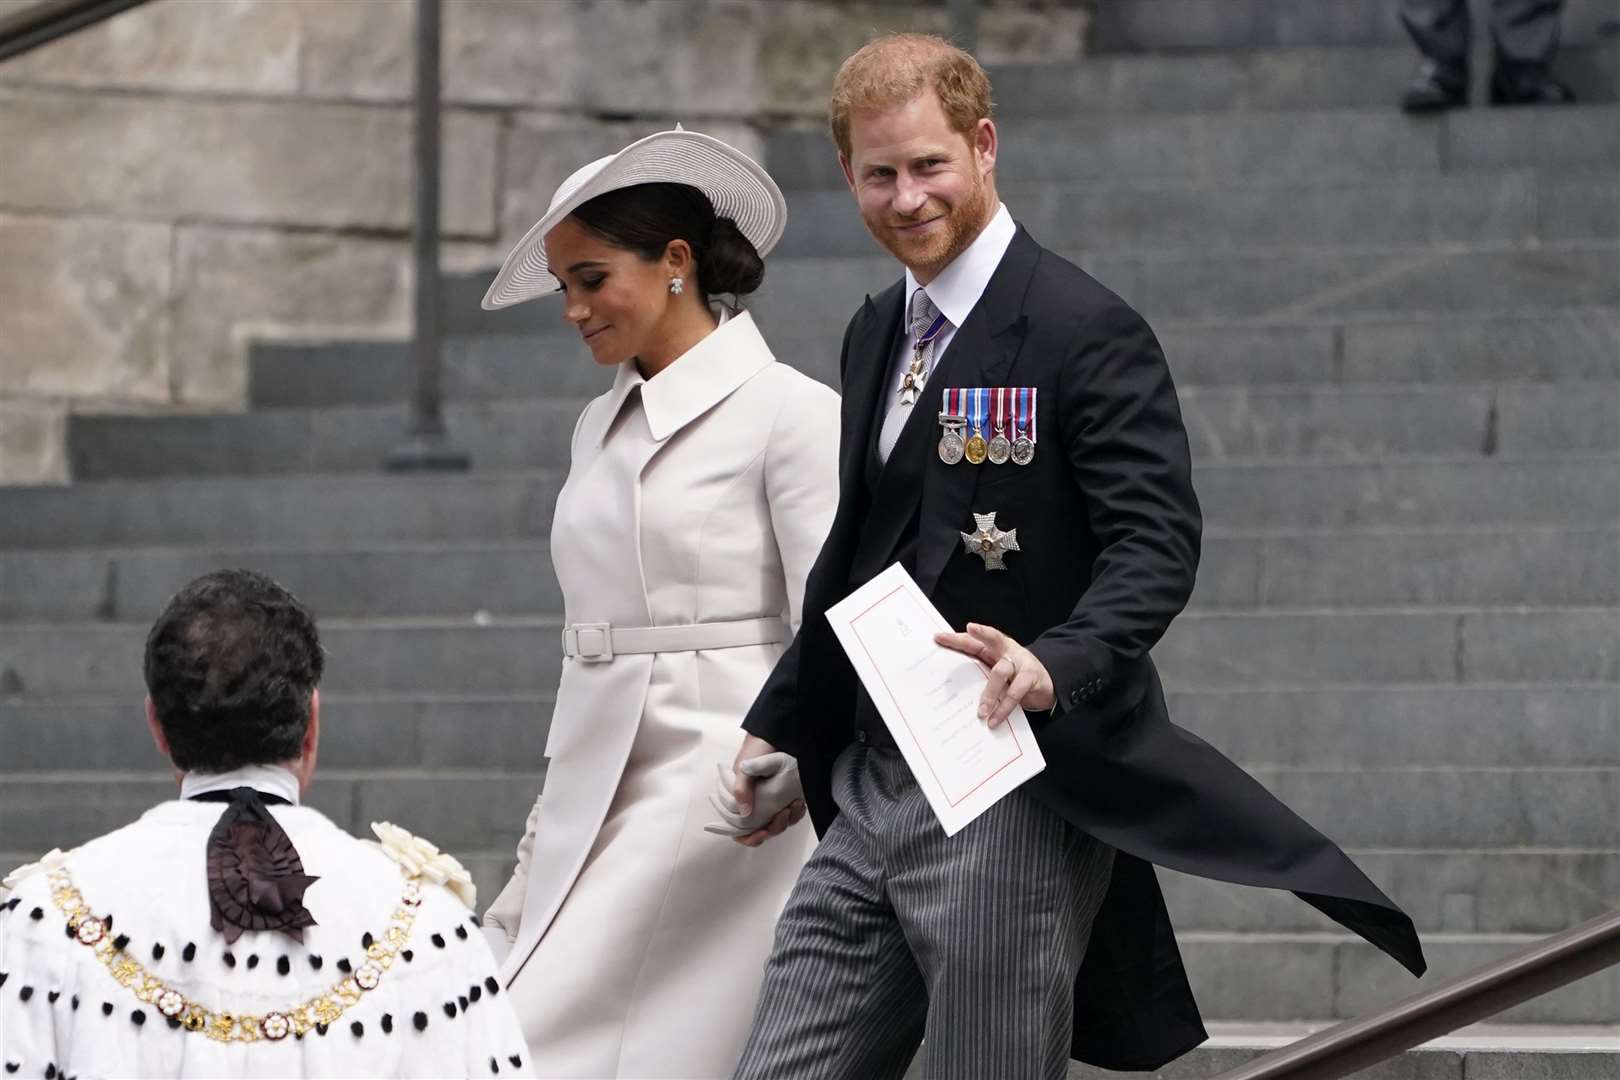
x: 701, y: 487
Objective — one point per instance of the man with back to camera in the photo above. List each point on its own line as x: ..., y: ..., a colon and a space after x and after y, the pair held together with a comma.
x: 233, y: 932
x: 1011, y: 436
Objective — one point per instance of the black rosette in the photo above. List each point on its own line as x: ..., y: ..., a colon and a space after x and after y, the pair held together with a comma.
x: 256, y: 880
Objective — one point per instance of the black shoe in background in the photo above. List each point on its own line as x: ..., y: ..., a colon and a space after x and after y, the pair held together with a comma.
x: 1435, y: 89
x: 1528, y: 86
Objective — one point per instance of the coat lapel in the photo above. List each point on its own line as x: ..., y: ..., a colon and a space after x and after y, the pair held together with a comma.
x: 980, y: 354
x: 871, y: 349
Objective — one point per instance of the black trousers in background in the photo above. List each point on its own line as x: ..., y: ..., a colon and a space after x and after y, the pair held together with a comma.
x: 897, y: 934
x: 1523, y: 32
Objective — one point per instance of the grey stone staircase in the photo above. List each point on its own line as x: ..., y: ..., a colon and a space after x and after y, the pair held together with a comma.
x: 1397, y: 343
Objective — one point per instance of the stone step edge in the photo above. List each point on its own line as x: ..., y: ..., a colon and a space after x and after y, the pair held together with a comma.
x: 446, y: 479
x: 1186, y: 388
x: 436, y: 547
x: 1485, y: 1037
x: 543, y: 620
x: 292, y: 339
x: 412, y: 699
x: 351, y: 775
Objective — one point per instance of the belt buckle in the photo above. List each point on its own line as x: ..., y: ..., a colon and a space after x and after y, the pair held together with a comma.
x: 593, y: 642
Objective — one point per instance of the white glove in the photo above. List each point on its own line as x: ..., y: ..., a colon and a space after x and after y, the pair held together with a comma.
x: 778, y: 787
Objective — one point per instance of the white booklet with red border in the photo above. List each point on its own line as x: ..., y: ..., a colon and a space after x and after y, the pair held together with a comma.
x: 928, y: 696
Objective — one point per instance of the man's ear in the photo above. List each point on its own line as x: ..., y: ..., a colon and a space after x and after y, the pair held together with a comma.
x: 156, y: 728
x: 985, y: 143
x: 849, y: 170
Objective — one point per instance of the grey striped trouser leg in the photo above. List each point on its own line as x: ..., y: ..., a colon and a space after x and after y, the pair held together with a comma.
x: 897, y: 932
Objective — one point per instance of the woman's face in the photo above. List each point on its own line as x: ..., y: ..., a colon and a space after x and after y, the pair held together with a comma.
x: 619, y: 301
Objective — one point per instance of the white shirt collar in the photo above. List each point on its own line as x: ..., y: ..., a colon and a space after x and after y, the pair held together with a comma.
x: 958, y: 287
x: 269, y: 779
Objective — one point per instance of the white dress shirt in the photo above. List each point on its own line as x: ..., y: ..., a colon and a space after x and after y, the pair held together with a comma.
x: 272, y: 779
x: 955, y: 291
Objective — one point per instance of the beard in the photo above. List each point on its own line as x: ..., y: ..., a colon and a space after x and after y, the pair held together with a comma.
x: 958, y: 227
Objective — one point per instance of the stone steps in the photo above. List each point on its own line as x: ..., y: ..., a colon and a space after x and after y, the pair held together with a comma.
x: 1281, y: 977
x: 1573, y: 813
x: 1422, y: 347
x: 1546, y: 566
x: 1455, y: 891
x: 363, y: 508
x: 1481, y: 725
x: 1245, y: 79
x: 1522, y: 1052
x: 456, y: 809
x: 1180, y: 25
x: 1435, y: 726
x: 1401, y: 211
x: 1202, y: 651
x: 1272, y: 147
x: 1260, y: 423
x: 804, y: 296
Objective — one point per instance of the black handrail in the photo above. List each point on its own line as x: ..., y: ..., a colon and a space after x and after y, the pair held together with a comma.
x: 49, y: 20
x: 427, y: 444
x: 1355, y: 1044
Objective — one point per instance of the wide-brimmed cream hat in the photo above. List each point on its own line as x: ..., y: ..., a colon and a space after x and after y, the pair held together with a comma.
x: 734, y: 182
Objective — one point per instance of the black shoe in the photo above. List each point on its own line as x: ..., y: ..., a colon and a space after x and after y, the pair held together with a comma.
x: 1435, y: 89
x: 1533, y: 87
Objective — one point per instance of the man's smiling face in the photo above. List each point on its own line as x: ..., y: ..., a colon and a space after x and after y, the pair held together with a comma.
x: 924, y: 190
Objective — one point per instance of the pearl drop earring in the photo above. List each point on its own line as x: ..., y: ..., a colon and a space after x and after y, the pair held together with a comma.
x: 677, y: 286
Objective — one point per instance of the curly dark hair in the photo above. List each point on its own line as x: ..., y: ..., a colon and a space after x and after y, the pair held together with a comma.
x: 231, y: 666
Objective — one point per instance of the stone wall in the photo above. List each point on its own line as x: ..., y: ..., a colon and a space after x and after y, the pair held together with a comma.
x: 196, y: 173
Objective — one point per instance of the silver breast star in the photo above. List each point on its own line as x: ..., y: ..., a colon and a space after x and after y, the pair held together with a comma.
x: 990, y: 543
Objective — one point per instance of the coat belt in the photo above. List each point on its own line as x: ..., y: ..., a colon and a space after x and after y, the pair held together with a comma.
x: 596, y: 642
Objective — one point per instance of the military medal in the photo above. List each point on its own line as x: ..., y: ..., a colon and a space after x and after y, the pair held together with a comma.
x: 911, y: 383
x: 1023, y: 445
x: 974, y: 449
x: 990, y: 543
x: 951, y: 443
x: 999, y: 449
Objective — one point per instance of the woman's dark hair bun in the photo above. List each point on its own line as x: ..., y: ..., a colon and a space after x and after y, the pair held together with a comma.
x: 727, y: 261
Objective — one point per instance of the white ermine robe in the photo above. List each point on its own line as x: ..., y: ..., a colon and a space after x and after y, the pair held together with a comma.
x: 435, y: 1011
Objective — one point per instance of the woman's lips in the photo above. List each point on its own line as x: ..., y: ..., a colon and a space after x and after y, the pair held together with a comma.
x: 592, y: 333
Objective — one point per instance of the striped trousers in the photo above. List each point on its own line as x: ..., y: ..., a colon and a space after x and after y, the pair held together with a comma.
x: 897, y: 935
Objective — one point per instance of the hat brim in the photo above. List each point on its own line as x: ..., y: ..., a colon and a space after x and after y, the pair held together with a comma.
x: 737, y: 186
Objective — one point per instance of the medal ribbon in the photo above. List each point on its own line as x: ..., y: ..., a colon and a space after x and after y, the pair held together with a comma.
x: 978, y: 406
x: 955, y: 404
x: 999, y: 405
x: 1024, y: 421
x: 930, y: 334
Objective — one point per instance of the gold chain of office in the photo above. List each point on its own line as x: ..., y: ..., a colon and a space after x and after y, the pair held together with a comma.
x: 92, y: 931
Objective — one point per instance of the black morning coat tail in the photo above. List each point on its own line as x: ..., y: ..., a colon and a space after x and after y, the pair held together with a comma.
x: 1109, y: 530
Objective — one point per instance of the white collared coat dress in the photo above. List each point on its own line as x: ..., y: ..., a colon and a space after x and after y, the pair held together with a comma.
x: 634, y: 941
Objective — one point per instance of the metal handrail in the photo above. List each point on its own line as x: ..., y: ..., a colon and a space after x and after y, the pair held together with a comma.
x: 427, y: 444
x: 48, y: 20
x: 1355, y: 1044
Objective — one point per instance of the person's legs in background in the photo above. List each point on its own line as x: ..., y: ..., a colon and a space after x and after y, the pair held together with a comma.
x: 1439, y: 28
x: 1524, y: 34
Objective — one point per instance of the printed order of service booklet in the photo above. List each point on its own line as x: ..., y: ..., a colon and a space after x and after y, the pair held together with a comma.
x: 928, y: 696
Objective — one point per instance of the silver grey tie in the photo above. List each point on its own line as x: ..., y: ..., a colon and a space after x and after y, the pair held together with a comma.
x: 923, y: 313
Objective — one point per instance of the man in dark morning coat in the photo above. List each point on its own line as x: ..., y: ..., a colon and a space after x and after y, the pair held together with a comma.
x: 1039, y: 930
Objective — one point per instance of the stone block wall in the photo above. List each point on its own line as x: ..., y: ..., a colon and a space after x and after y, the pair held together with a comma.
x: 193, y: 174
